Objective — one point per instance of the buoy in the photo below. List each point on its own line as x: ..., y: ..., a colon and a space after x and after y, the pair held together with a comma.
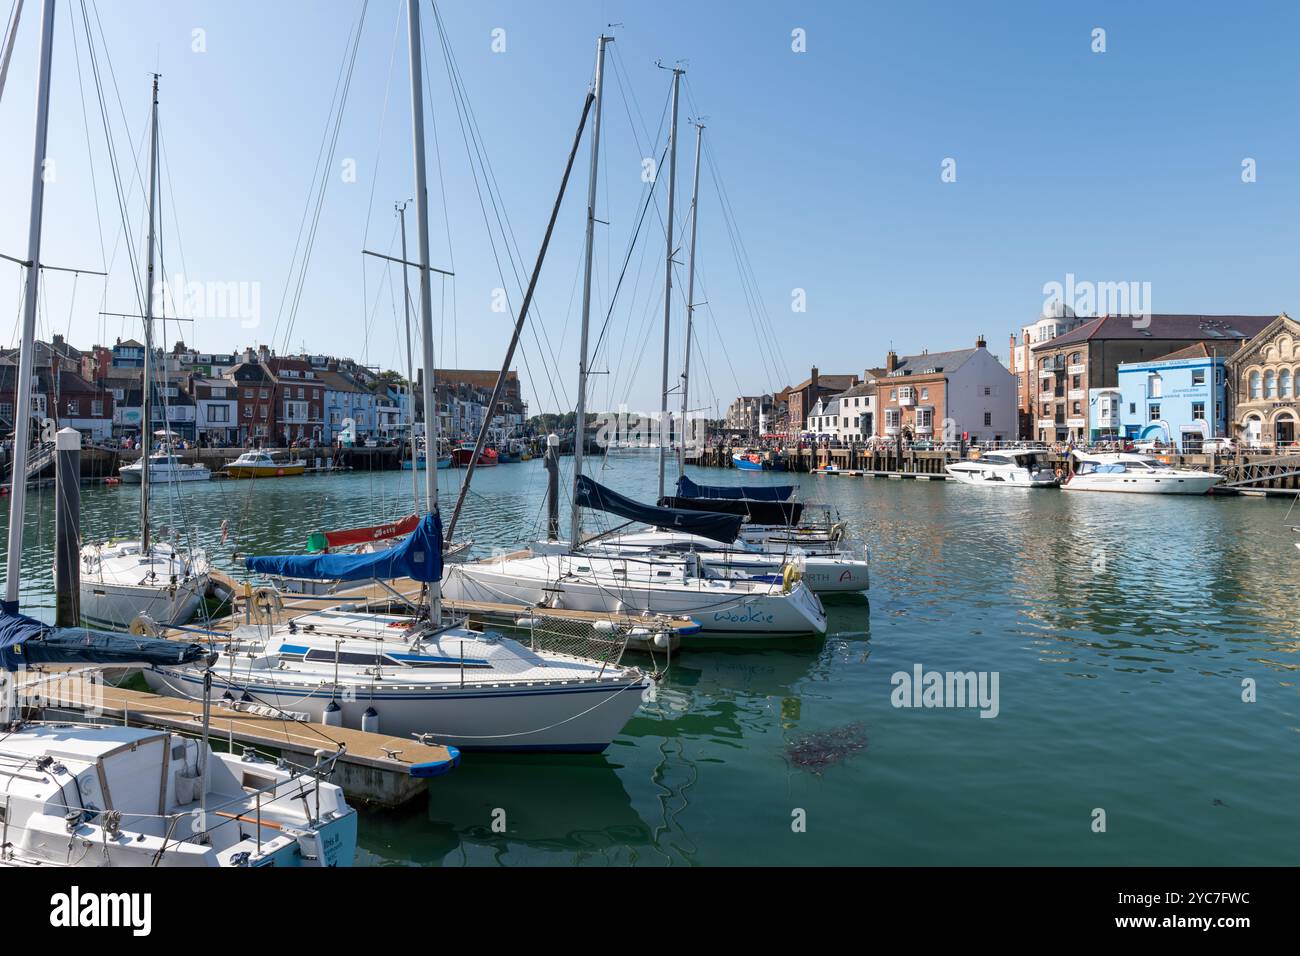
x: 333, y: 715
x: 370, y: 721
x: 661, y: 640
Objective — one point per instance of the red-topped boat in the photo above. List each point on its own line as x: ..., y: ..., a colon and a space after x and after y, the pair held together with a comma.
x: 463, y: 454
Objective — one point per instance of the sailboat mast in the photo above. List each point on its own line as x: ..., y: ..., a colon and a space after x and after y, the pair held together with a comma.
x: 580, y: 410
x: 664, y: 420
x: 10, y: 35
x: 146, y: 428
x: 410, y: 377
x: 690, y: 300
x: 27, y: 347
x: 422, y: 241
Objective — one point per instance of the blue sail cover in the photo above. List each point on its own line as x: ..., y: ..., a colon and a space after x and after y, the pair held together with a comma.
x: 689, y: 489
x: 708, y: 524
x: 25, y: 641
x: 419, y: 557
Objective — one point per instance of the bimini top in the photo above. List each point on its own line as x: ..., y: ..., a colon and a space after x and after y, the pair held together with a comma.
x: 25, y: 641
x: 709, y: 524
x: 689, y: 489
x: 419, y: 557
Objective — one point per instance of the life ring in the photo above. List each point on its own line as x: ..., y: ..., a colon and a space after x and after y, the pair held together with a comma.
x: 267, y: 600
x: 790, y: 577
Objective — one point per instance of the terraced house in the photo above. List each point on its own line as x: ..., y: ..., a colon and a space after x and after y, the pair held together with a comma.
x: 946, y: 396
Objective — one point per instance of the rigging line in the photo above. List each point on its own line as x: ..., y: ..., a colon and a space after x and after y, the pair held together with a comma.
x: 464, y: 112
x: 446, y: 219
x: 123, y: 201
x: 321, y: 168
x: 325, y: 178
x: 85, y: 122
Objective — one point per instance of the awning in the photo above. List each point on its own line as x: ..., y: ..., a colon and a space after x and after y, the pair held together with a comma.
x: 419, y: 557
x: 708, y: 524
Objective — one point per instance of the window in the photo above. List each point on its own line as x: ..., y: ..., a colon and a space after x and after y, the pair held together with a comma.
x: 893, y: 394
x: 74, y: 407
x: 301, y: 392
x: 1254, y: 385
x: 262, y: 393
x: 988, y: 419
x: 1155, y: 386
x: 1198, y: 411
x: 925, y: 393
x: 1075, y: 358
x: 1270, y: 384
x: 248, y: 411
x: 1284, y: 383
x: 248, y: 393
x: 1076, y: 381
x: 1198, y: 376
x: 264, y: 411
x: 1132, y: 408
x: 97, y: 408
x: 1154, y: 412
x: 1076, y: 409
x: 315, y: 393
x: 1047, y: 410
x: 219, y: 414
x: 988, y: 390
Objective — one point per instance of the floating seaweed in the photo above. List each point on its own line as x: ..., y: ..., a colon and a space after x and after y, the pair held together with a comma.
x: 825, y: 748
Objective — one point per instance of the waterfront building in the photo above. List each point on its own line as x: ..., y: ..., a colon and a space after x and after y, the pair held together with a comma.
x: 1073, y: 372
x: 217, y: 410
x: 945, y: 396
x: 128, y: 354
x: 254, y: 386
x: 848, y: 416
x: 1265, y: 382
x: 300, y: 400
x: 749, y: 416
x: 801, y: 398
x: 1055, y: 319
x: 347, y: 402
x: 1179, y: 399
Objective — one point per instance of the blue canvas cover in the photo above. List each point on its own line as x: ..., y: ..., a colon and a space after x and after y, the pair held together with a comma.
x: 689, y: 489
x: 708, y: 524
x: 419, y: 557
x: 25, y: 641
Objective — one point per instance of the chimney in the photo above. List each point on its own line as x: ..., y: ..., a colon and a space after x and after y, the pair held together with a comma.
x: 980, y: 343
x: 891, y: 361
x: 813, y: 381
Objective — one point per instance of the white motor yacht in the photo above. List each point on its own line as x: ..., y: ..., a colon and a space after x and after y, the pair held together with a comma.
x: 1130, y: 472
x: 164, y: 466
x: 1006, y: 468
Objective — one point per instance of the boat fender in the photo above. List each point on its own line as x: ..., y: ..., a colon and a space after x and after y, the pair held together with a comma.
x: 790, y: 577
x: 332, y: 716
x: 370, y: 720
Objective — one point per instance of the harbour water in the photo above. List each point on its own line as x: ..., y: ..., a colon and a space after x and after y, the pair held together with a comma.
x: 1121, y: 629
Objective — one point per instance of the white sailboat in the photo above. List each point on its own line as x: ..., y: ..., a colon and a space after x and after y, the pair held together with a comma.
x: 121, y: 579
x: 86, y: 795
x: 570, y: 578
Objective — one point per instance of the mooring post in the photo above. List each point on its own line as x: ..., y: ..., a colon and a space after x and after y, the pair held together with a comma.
x: 552, y: 462
x: 67, y: 527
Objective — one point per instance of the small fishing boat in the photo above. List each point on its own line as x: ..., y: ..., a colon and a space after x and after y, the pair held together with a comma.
x: 750, y: 460
x: 463, y: 454
x: 163, y: 466
x: 259, y: 464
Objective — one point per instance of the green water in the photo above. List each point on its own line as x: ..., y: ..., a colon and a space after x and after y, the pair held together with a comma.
x: 1121, y: 629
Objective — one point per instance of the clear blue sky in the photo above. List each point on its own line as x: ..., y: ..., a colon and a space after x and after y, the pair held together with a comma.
x: 1118, y: 166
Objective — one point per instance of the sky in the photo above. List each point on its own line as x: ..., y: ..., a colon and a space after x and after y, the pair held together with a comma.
x: 876, y: 175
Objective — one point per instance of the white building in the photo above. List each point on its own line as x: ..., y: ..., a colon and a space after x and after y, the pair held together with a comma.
x: 848, y: 416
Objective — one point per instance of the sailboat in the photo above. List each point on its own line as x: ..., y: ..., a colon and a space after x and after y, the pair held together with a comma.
x: 408, y: 672
x: 563, y: 575
x: 121, y: 579
x: 94, y: 795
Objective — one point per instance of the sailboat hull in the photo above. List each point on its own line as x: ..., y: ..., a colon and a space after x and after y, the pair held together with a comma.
x: 117, y: 605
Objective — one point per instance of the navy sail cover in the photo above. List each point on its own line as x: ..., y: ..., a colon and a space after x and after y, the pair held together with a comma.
x: 719, y: 527
x: 689, y: 489
x: 25, y: 641
x: 419, y: 557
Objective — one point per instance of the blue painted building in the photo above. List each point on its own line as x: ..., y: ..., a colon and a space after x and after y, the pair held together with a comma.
x: 1178, y: 399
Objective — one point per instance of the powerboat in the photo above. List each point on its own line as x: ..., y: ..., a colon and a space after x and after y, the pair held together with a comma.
x: 259, y: 464
x: 123, y: 579
x: 463, y: 454
x: 1006, y: 468
x: 403, y: 676
x: 164, y: 466
x: 1126, y: 471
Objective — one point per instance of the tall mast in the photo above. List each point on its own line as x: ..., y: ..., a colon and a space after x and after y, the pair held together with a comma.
x: 690, y: 300
x: 410, y: 378
x: 8, y: 51
x: 668, y: 279
x: 23, y: 401
x: 422, y: 240
x: 146, y: 429
x: 580, y: 411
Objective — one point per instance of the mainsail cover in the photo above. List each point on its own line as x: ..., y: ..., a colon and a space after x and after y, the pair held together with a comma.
x: 758, y: 512
x: 324, y: 540
x: 419, y: 557
x: 719, y: 527
x: 25, y: 641
x: 689, y: 489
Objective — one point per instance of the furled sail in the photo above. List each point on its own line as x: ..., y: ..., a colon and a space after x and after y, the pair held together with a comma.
x: 689, y: 489
x: 758, y: 512
x: 324, y: 540
x: 25, y: 641
x: 719, y: 527
x: 419, y: 557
